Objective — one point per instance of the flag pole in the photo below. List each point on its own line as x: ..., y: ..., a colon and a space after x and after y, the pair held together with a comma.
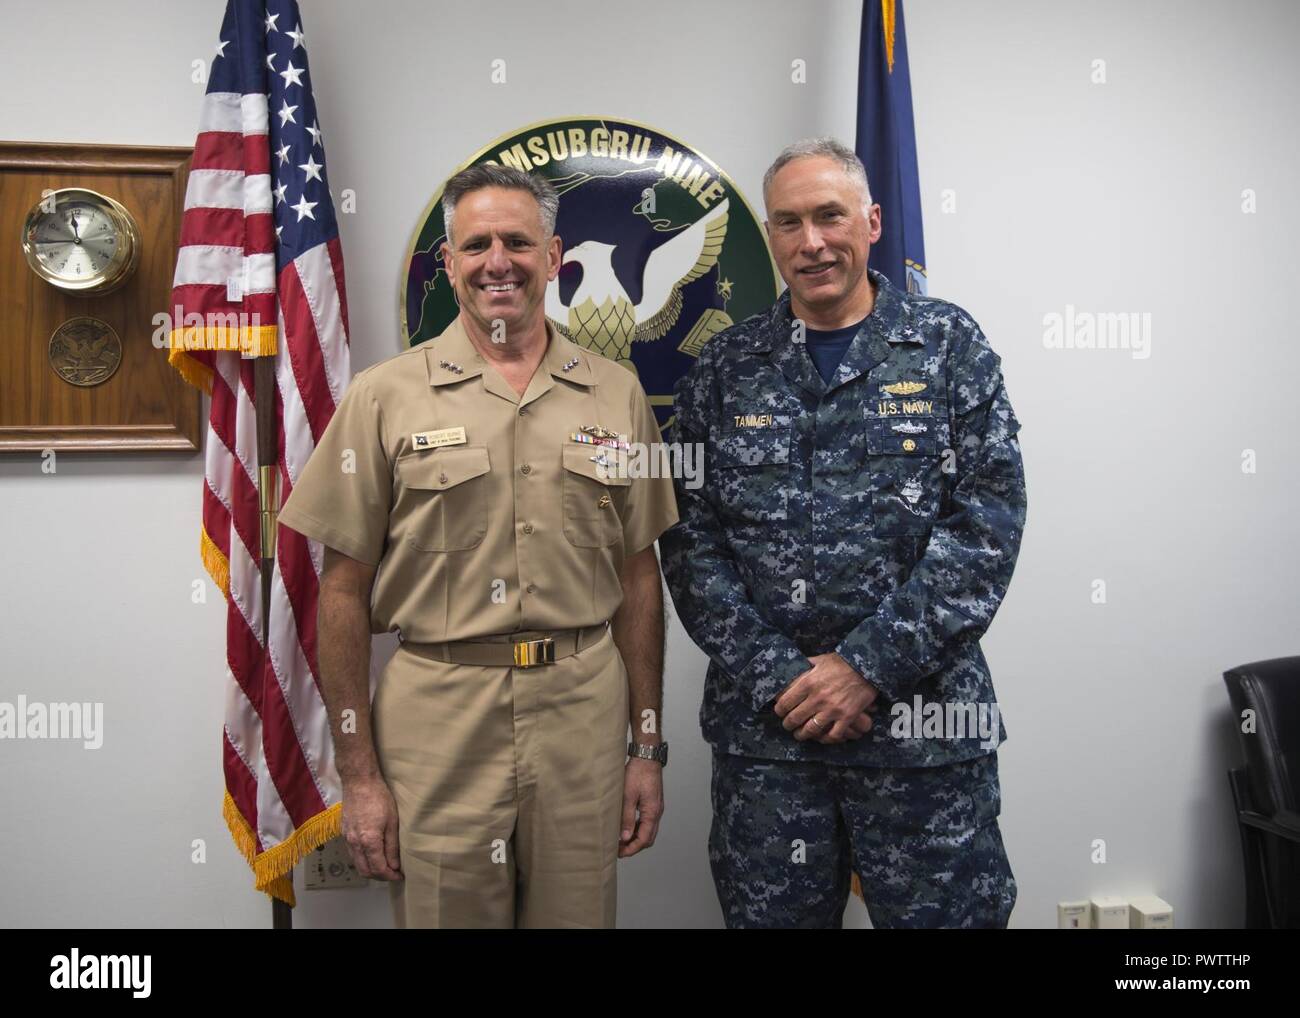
x: 268, y: 500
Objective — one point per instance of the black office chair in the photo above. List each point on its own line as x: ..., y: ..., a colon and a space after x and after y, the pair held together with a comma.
x: 1266, y: 790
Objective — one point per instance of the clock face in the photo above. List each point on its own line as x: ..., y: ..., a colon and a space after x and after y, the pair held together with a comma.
x: 75, y: 242
x: 84, y: 243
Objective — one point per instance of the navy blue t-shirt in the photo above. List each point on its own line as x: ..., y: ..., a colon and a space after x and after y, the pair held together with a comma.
x: 827, y: 348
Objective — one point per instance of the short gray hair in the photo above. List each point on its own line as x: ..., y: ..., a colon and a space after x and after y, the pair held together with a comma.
x: 481, y: 175
x: 828, y: 148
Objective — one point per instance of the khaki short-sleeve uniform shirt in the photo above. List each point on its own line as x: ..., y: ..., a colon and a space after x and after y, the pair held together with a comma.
x: 510, y: 526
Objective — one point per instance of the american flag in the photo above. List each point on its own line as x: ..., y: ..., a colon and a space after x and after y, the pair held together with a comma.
x: 259, y: 238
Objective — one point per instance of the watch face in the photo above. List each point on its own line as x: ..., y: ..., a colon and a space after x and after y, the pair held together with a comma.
x: 82, y: 243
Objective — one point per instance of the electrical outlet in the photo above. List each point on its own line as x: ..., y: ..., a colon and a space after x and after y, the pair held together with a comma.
x: 331, y: 866
x: 1109, y: 912
x: 1147, y: 912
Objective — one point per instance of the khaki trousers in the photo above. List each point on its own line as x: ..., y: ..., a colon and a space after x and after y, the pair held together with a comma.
x: 509, y: 788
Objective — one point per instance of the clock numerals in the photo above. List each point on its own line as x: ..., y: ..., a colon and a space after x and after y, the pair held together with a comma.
x: 71, y: 240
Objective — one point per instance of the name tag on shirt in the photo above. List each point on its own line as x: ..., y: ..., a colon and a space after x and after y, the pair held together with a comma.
x: 437, y: 439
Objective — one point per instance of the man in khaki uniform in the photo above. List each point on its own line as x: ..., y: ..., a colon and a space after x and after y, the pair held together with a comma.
x: 457, y: 508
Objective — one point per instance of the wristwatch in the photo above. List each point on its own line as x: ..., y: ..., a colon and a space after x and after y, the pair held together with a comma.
x: 659, y: 752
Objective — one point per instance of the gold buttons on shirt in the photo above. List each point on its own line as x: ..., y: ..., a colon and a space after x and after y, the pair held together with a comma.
x: 526, y: 469
x: 442, y: 478
x: 528, y: 528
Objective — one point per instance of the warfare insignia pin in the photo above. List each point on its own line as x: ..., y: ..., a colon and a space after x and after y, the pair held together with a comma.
x: 903, y: 388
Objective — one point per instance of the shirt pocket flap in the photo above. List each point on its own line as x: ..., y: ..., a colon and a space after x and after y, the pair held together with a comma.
x: 750, y: 447
x: 599, y: 463
x: 443, y: 468
x: 904, y: 436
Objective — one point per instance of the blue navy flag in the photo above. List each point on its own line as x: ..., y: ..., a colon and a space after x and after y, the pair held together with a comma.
x: 887, y: 143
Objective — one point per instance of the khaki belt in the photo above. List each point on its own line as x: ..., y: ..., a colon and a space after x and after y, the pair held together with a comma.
x: 515, y: 650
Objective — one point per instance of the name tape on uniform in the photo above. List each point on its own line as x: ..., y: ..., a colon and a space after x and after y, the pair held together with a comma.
x: 437, y: 439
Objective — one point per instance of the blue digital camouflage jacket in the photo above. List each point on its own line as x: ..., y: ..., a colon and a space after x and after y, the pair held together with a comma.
x: 878, y: 516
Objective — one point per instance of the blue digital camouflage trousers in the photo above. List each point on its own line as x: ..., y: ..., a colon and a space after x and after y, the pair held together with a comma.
x: 924, y: 841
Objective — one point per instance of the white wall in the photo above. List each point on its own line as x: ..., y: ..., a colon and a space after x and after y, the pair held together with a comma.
x: 1117, y: 197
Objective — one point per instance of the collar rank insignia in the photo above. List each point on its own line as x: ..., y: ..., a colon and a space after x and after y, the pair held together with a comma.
x: 570, y: 364
x: 451, y: 367
x: 903, y: 388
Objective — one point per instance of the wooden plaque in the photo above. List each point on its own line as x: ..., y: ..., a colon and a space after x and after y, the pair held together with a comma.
x: 144, y: 404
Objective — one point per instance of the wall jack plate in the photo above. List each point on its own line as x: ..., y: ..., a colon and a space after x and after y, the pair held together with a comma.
x: 331, y: 866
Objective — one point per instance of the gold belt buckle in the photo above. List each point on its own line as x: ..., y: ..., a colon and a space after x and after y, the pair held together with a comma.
x: 535, y: 652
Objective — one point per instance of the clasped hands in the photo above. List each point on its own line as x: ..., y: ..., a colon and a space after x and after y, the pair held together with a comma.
x: 829, y: 703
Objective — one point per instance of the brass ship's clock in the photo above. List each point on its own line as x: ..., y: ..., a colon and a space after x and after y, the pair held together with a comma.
x: 81, y: 242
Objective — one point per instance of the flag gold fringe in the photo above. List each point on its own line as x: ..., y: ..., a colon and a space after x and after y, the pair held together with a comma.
x: 214, y: 562
x: 198, y: 375
x: 261, y: 341
x: 273, y: 869
x: 248, y: 340
x: 888, y: 17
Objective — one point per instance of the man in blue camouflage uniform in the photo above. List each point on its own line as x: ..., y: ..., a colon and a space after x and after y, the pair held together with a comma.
x: 860, y: 519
